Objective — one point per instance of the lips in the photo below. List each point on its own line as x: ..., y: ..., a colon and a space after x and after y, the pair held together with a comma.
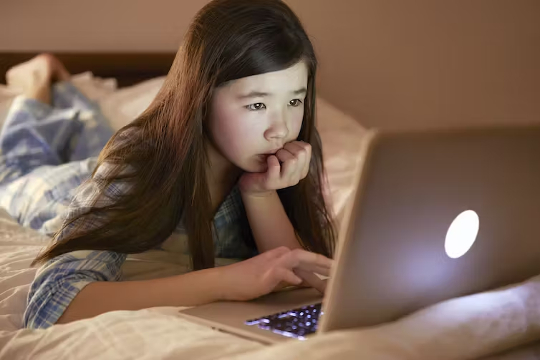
x: 273, y: 152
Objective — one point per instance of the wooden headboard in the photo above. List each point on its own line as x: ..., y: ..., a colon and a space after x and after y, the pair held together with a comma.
x: 127, y: 68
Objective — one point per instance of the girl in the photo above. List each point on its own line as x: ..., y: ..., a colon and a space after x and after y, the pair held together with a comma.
x: 227, y: 153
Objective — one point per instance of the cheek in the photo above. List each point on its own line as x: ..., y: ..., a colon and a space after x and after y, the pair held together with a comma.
x: 234, y: 136
x: 296, y: 126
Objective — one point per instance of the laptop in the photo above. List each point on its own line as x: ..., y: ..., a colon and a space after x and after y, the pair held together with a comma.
x: 435, y: 215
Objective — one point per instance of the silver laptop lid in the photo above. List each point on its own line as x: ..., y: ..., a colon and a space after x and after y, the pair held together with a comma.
x: 393, y: 259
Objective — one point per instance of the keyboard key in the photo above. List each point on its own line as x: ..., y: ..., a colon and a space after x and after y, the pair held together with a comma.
x: 292, y: 323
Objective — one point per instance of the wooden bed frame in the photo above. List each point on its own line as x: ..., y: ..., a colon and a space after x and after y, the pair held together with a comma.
x: 127, y: 68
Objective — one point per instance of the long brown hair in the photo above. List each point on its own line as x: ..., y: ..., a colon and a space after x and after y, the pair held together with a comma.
x: 165, y: 151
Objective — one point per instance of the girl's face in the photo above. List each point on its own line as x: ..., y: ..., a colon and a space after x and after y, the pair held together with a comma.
x: 255, y: 116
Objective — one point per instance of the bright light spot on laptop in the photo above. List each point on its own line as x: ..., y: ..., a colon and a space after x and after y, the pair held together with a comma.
x: 461, y: 234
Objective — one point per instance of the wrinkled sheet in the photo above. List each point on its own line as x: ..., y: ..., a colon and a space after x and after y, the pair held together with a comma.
x: 464, y: 328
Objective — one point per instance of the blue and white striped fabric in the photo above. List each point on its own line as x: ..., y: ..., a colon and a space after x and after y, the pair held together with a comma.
x: 47, y: 155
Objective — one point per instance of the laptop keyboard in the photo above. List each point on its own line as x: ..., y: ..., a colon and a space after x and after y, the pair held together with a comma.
x: 296, y: 323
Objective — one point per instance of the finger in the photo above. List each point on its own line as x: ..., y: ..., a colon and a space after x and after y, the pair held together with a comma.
x: 290, y: 162
x: 285, y: 155
x: 307, y: 257
x: 297, y: 148
x: 307, y: 261
x: 274, y: 168
x: 312, y: 279
x: 304, y: 284
x: 283, y: 285
x: 288, y: 276
x: 303, y: 151
x: 315, y: 269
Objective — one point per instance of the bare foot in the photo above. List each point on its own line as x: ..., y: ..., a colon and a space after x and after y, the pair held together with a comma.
x: 34, y: 77
x: 59, y: 72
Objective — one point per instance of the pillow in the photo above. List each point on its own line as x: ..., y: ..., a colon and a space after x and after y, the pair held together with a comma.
x: 124, y: 105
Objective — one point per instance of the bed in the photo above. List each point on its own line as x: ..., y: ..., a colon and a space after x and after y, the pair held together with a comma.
x: 500, y: 324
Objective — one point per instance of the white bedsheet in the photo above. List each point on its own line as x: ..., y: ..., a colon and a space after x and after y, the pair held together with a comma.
x: 466, y: 328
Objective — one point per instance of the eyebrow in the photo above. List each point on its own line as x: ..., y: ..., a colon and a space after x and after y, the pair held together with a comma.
x: 253, y: 94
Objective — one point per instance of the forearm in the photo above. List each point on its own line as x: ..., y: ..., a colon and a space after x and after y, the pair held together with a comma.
x: 269, y: 222
x: 195, y: 288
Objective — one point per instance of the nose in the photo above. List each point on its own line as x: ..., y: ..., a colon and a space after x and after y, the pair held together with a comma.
x: 278, y: 128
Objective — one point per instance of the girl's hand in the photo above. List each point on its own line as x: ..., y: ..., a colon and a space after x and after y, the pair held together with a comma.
x: 272, y: 270
x: 294, y: 157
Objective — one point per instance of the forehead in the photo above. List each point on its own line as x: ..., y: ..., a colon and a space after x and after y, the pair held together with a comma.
x: 282, y: 81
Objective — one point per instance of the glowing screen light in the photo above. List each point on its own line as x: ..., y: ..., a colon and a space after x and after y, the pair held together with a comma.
x: 461, y: 234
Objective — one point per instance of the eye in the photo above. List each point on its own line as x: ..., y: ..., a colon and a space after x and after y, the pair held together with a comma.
x: 295, y: 102
x: 256, y: 107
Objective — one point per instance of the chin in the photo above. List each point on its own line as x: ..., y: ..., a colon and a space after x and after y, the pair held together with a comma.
x: 255, y: 164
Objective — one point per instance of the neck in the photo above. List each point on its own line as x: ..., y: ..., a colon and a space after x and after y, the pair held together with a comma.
x: 221, y: 176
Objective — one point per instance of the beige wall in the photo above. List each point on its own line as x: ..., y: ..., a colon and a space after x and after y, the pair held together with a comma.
x: 397, y: 63
x: 388, y: 63
x: 101, y: 25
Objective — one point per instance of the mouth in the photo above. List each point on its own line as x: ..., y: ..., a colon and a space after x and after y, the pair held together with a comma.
x: 273, y: 152
x: 264, y: 157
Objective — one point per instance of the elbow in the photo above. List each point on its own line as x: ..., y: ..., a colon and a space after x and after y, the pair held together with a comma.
x: 47, y: 304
